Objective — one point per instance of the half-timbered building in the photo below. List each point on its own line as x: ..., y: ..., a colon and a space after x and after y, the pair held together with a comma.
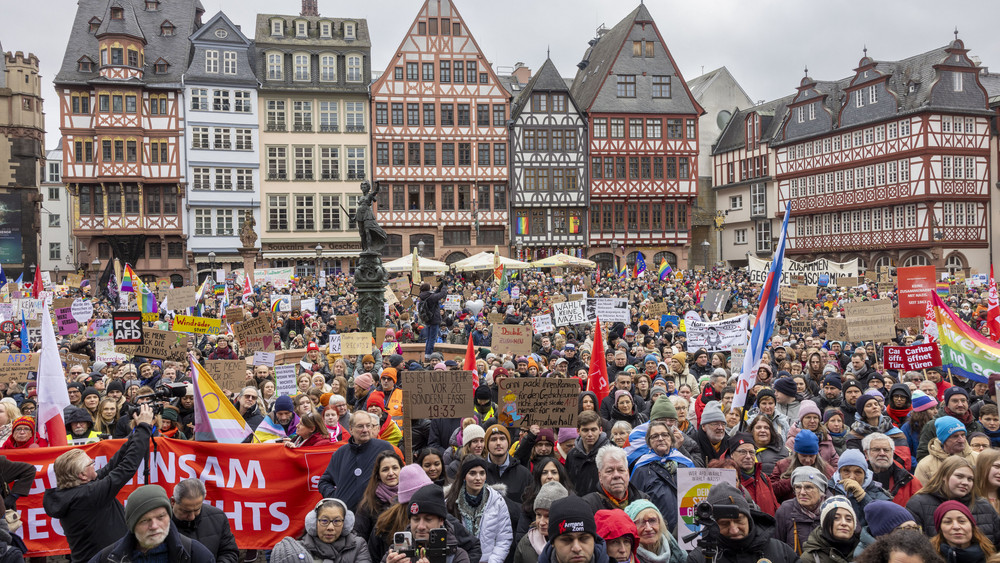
x: 889, y: 165
x: 440, y: 136
x: 548, y: 178
x: 121, y: 117
x: 643, y: 144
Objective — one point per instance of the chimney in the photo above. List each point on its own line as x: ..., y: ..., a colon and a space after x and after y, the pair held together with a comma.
x: 521, y: 73
x: 309, y: 8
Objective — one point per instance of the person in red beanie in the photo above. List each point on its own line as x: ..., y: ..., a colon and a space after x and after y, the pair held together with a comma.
x: 22, y: 435
x: 958, y: 538
x: 387, y: 428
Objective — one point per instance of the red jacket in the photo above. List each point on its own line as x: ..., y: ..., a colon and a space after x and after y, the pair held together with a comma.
x: 759, y: 487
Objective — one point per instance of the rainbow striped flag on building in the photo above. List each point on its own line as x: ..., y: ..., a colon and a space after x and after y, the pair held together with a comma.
x: 522, y: 225
x: 664, y: 270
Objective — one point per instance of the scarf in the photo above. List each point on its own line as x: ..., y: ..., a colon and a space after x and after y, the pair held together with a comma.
x: 971, y: 554
x: 662, y: 557
x: 385, y: 493
x: 898, y: 415
x: 965, y: 418
x: 671, y: 461
x: 618, y: 502
x: 844, y: 547
x: 862, y: 428
x: 536, y: 540
x: 472, y: 515
x: 324, y: 551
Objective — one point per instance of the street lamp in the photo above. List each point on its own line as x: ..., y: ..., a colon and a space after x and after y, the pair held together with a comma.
x: 319, y: 254
x: 420, y: 248
x: 56, y: 281
x: 520, y: 250
x: 705, y: 245
x: 96, y: 267
x: 211, y: 264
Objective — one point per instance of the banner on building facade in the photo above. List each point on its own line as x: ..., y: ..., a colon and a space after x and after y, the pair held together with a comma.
x: 812, y: 272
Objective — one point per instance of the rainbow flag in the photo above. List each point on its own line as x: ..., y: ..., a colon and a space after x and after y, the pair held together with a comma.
x: 963, y: 350
x: 664, y: 269
x: 522, y: 225
x: 215, y: 417
x: 128, y: 279
x: 574, y: 225
x: 147, y: 302
x: 624, y: 272
x: 943, y: 288
x: 276, y: 306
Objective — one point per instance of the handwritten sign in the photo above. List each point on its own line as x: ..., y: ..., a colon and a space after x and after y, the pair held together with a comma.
x: 495, y: 318
x: 254, y: 335
x: 805, y: 292
x: 542, y: 323
x: 514, y: 339
x: 234, y: 314
x: 197, y: 325
x: 870, y: 320
x: 453, y: 303
x: 181, y: 298
x: 787, y: 294
x: 16, y: 367
x: 346, y: 322
x: 284, y: 378
x: 657, y: 309
x: 160, y: 344
x: 356, y: 343
x: 549, y: 402
x: 67, y: 324
x: 441, y: 394
x: 569, y: 313
x: 228, y: 374
x: 836, y: 328
x: 334, y: 344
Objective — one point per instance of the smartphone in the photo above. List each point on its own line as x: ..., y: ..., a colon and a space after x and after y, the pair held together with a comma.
x: 438, y: 539
x: 402, y: 541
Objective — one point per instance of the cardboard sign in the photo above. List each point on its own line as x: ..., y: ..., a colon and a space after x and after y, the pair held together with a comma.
x: 805, y: 292
x: 16, y: 367
x: 284, y: 379
x: 234, y: 314
x: 848, y: 281
x: 542, y: 323
x: 67, y: 324
x: 836, y: 328
x: 800, y: 326
x: 263, y: 359
x: 346, y: 323
x: 870, y: 320
x: 254, y: 335
x: 495, y: 318
x: 657, y: 309
x: 915, y: 287
x: 549, y: 402
x: 228, y: 374
x: 557, y: 298
x: 915, y: 325
x: 379, y: 336
x: 71, y: 359
x: 512, y: 339
x: 570, y: 313
x: 127, y: 327
x: 74, y: 280
x: 197, y: 325
x: 911, y: 358
x: 440, y: 394
x: 356, y: 343
x: 788, y: 294
x: 715, y: 300
x: 160, y: 344
x: 181, y: 298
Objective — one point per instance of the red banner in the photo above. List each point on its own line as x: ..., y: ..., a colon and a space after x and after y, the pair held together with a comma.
x: 265, y: 489
x: 915, y: 285
x: 911, y: 358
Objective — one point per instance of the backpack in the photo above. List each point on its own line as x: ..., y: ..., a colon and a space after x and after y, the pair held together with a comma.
x: 424, y: 312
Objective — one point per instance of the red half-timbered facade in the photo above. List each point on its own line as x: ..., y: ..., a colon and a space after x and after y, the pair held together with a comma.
x: 121, y: 118
x: 643, y: 144
x: 440, y: 141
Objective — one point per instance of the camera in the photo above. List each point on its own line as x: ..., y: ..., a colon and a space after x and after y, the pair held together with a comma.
x: 164, y: 392
x: 434, y: 548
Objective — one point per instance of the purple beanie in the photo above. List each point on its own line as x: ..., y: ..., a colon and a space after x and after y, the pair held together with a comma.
x: 411, y: 479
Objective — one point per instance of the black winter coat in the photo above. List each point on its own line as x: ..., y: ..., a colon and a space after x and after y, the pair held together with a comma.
x: 922, y: 505
x: 180, y: 549
x: 211, y: 528
x: 759, y: 544
x: 582, y: 467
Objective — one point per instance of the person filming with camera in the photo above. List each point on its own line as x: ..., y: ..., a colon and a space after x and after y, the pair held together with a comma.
x: 428, y: 538
x: 740, y: 533
x: 84, y: 499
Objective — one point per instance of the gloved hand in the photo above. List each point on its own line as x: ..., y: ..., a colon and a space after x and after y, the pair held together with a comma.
x: 854, y: 488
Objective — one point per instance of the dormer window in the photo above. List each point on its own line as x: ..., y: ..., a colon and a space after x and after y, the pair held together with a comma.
x: 167, y: 29
x: 152, y: 5
x: 95, y: 24
x: 117, y: 13
x: 161, y: 66
x: 85, y: 64
x: 277, y: 27
x: 348, y: 31
x: 301, y: 29
x: 325, y: 30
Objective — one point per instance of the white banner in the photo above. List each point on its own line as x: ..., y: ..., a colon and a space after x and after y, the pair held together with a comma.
x: 718, y: 336
x: 814, y: 273
x: 609, y: 310
x: 570, y: 312
x: 542, y: 323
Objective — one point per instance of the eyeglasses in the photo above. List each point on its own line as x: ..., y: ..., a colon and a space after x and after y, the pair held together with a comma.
x: 324, y: 522
x: 254, y: 397
x: 647, y: 523
x: 744, y: 453
x: 908, y: 527
x: 661, y: 436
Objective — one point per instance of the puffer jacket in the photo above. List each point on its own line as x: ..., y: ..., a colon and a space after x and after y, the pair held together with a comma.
x: 793, y: 524
x: 860, y: 429
x: 770, y: 455
x: 873, y: 491
x: 583, y: 466
x: 936, y: 455
x: 818, y: 549
x: 757, y: 545
x: 759, y: 487
x: 348, y: 547
x: 922, y: 505
x: 496, y: 534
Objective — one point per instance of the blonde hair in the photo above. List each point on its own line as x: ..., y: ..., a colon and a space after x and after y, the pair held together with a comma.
x: 68, y: 467
x: 984, y: 463
x: 938, y: 483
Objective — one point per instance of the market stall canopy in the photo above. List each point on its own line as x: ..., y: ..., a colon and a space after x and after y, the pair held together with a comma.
x: 484, y: 262
x: 405, y: 264
x: 563, y: 261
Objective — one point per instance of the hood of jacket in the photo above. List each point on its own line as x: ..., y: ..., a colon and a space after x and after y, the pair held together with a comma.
x: 761, y: 531
x: 936, y: 449
x: 593, y: 397
x: 603, y: 440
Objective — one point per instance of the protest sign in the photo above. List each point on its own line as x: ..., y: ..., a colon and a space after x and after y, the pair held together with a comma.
x: 254, y: 335
x: 263, y: 359
x: 803, y: 272
x: 197, y: 325
x: 557, y: 298
x: 439, y: 394
x: 715, y: 300
x: 181, y: 298
x: 284, y: 378
x: 234, y: 314
x: 692, y: 489
x: 67, y: 324
x: 61, y: 303
x: 453, y: 303
x: 569, y: 313
x: 658, y: 308
x: 805, y: 292
x: 281, y: 303
x: 104, y: 350
x: 542, y: 323
x: 672, y: 319
x: 127, y: 327
x: 608, y: 310
x: 736, y: 358
x: 550, y: 402
x: 495, y: 318
x: 346, y: 322
x: 159, y: 344
x: 717, y: 336
x: 334, y: 343
x: 836, y: 328
x: 870, y: 320
x: 230, y: 375
x: 356, y: 343
x: 74, y: 280
x: 911, y: 358
x: 913, y: 324
x: 16, y: 367
x: 70, y: 359
x: 849, y: 281
x: 915, y: 286
x: 800, y: 326
x: 511, y: 339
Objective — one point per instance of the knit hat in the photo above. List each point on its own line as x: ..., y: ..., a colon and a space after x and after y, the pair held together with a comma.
x: 390, y: 373
x: 324, y: 399
x: 571, y: 514
x: 411, y: 479
x: 712, y: 413
x: 739, y: 439
x: 471, y: 432
x: 98, y: 366
x: 681, y: 357
x: 922, y: 401
x: 90, y: 391
x: 806, y: 442
x: 651, y: 358
x: 494, y: 429
x: 364, y: 381
x: 621, y: 393
x: 284, y: 403
x: 549, y: 493
x: 312, y: 346
x: 786, y: 386
x: 375, y: 399
x: 428, y: 499
x: 946, y: 507
x: 854, y: 458
x: 808, y: 407
x: 636, y: 507
x: 834, y: 380
x: 663, y: 408
x: 852, y: 383
x: 483, y: 393
x: 830, y: 413
x: 859, y: 405
x: 23, y: 421
x: 289, y: 550
x: 170, y: 412
x: 807, y: 474
x: 567, y: 434
x: 946, y: 426
x: 952, y: 391
x: 368, y: 359
x: 469, y: 463
x: 727, y: 494
x: 884, y: 516
x: 830, y: 506
x: 546, y: 435
x: 115, y: 385
x: 395, y: 360
x: 143, y: 500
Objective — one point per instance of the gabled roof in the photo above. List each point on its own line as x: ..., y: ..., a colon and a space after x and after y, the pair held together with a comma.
x: 183, y: 15
x: 701, y: 84
x: 547, y: 79
x: 599, y: 57
x: 232, y: 40
x: 128, y: 25
x: 220, y: 20
x: 734, y: 136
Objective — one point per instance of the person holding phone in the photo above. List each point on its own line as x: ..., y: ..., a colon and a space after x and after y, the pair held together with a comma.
x: 428, y: 513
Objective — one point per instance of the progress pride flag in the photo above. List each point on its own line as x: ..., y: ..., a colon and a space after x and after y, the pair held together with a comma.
x: 911, y: 358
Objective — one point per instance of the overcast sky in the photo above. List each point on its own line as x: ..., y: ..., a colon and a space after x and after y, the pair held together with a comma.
x: 764, y: 43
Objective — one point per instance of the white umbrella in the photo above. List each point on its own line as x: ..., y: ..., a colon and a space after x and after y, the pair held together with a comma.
x: 484, y: 261
x: 405, y: 264
x: 563, y: 260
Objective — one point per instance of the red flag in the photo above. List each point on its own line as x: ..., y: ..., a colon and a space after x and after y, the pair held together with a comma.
x: 36, y: 285
x: 470, y: 363
x: 993, y: 309
x: 597, y: 377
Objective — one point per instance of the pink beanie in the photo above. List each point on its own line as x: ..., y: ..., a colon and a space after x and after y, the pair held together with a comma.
x: 808, y: 406
x: 364, y: 381
x: 411, y: 479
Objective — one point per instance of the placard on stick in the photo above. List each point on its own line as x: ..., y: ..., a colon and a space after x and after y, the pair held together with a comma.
x: 159, y: 344
x: 836, y: 328
x: 228, y: 374
x: 549, y: 402
x: 870, y: 320
x: 346, y: 322
x: 440, y: 394
x: 356, y: 343
x: 513, y: 339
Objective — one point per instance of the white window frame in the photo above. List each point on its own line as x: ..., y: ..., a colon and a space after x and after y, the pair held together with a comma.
x: 229, y: 62
x: 740, y: 236
x: 212, y: 61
